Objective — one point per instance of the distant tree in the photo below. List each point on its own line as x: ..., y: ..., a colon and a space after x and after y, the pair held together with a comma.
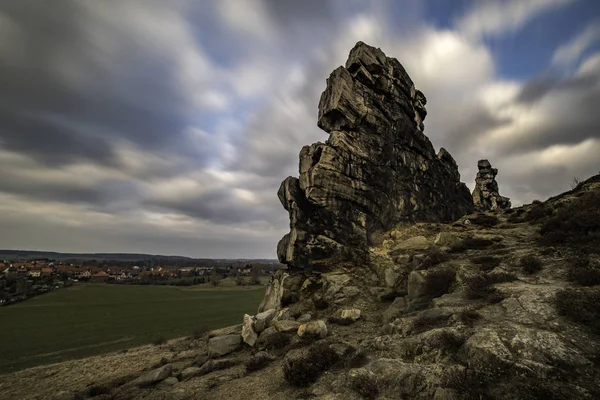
x: 255, y: 278
x: 214, y: 277
x: 239, y: 281
x: 575, y: 182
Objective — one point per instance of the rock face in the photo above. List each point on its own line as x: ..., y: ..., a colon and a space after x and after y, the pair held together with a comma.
x: 485, y: 194
x: 376, y: 169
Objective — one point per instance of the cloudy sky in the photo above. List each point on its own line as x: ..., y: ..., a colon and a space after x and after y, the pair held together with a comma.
x: 165, y: 127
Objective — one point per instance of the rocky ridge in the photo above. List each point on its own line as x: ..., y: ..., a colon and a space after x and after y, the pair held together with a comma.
x: 376, y: 169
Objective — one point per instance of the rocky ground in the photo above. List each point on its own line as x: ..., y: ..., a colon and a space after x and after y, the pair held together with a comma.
x: 494, y: 306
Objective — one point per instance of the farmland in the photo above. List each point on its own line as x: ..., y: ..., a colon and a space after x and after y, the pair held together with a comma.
x: 89, y: 319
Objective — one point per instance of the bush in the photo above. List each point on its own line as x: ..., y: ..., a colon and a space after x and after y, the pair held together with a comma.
x: 277, y: 341
x: 581, y: 306
x: 448, y: 341
x: 530, y: 264
x: 435, y: 257
x: 199, y: 332
x: 258, y: 361
x: 470, y: 384
x: 438, y: 282
x: 159, y: 340
x: 487, y: 221
x: 468, y: 317
x: 306, y: 369
x: 539, y: 212
x: 97, y: 390
x: 486, y: 263
x: 576, y: 224
x: 340, y: 321
x: 582, y: 273
x: 471, y: 244
x: 480, y: 286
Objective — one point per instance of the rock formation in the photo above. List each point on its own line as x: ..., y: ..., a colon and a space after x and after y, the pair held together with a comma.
x: 376, y: 169
x: 485, y: 194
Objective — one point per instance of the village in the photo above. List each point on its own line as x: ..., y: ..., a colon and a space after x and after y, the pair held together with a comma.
x: 20, y: 280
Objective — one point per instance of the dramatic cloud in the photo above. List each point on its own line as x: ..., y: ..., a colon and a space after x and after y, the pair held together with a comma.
x: 166, y: 127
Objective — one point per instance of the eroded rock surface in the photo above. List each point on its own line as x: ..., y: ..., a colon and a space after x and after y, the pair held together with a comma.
x: 485, y: 194
x: 376, y: 169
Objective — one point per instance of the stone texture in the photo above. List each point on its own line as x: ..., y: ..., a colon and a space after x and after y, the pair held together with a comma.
x: 274, y: 292
x: 221, y: 345
x: 263, y: 319
x: 315, y: 329
x: 395, y: 309
x: 414, y: 243
x: 485, y: 195
x: 248, y: 334
x: 153, y: 376
x: 376, y: 169
x: 286, y: 326
x: 353, y: 314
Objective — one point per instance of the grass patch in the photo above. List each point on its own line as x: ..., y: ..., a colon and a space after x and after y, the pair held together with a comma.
x: 530, y: 264
x: 576, y: 224
x: 581, y: 306
x: 305, y: 369
x: 91, y: 319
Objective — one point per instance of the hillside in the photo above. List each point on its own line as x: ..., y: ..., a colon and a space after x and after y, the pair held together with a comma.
x: 400, y: 283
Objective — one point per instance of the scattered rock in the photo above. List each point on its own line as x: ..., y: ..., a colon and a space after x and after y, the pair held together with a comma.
x: 200, y: 359
x: 395, y: 309
x: 170, y: 381
x: 221, y: 345
x: 259, y: 361
x: 248, y: 334
x: 352, y: 314
x: 189, y: 372
x: 304, y: 318
x: 153, y: 377
x: 485, y: 195
x: 314, y: 329
x: 286, y: 326
x: 414, y: 243
x: 263, y: 319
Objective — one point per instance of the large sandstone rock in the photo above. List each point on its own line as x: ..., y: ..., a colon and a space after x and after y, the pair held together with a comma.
x: 485, y: 195
x: 376, y: 169
x: 220, y: 345
x: 153, y: 376
x: 248, y: 334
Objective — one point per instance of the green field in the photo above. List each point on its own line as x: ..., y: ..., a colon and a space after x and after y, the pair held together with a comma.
x: 89, y: 319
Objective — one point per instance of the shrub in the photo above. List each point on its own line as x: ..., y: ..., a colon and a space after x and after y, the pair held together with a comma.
x: 500, y: 277
x: 486, y: 263
x: 536, y: 202
x: 277, y: 341
x: 581, y: 306
x: 487, y: 221
x: 258, y: 361
x: 576, y: 224
x: 340, y: 321
x: 582, y: 273
x: 306, y: 369
x: 468, y: 317
x: 530, y: 264
x: 159, y: 340
x: 539, y: 212
x: 472, y: 243
x: 435, y: 257
x: 438, y: 282
x: 480, y: 286
x: 199, y: 332
x: 356, y: 359
x: 470, y: 384
x: 97, y: 390
x: 448, y: 341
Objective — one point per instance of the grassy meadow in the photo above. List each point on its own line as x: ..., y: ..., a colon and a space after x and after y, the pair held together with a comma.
x: 89, y: 319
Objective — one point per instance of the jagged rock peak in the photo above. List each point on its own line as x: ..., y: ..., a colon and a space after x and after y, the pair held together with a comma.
x: 376, y: 169
x: 485, y: 194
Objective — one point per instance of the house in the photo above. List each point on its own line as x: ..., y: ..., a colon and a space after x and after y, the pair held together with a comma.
x: 35, y: 272
x: 47, y: 271
x: 85, y: 275
x: 99, y: 277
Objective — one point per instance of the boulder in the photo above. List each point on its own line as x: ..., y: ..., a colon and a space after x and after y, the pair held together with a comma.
x: 248, y: 334
x: 313, y: 329
x: 414, y: 243
x: 274, y: 292
x: 377, y: 168
x: 153, y: 376
x: 395, y: 309
x: 170, y: 381
x: 485, y: 195
x: 221, y: 345
x: 286, y: 326
x: 200, y: 359
x: 189, y: 372
x: 263, y: 319
x: 353, y: 314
